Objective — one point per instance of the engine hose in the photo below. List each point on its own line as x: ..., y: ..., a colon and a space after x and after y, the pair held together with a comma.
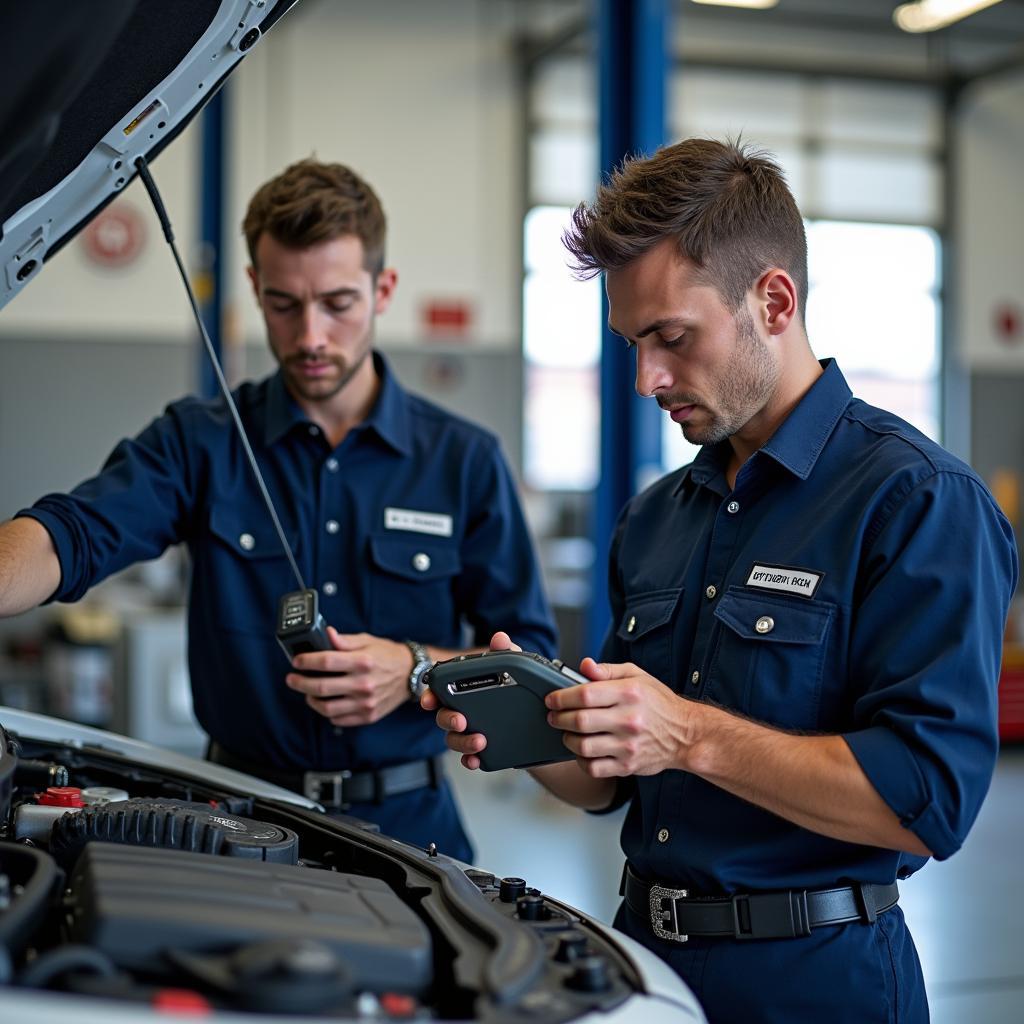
x: 45, y: 968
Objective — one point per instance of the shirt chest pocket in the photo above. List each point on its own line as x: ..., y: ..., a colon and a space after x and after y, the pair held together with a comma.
x: 646, y: 629
x: 411, y: 588
x: 770, y: 656
x: 245, y: 563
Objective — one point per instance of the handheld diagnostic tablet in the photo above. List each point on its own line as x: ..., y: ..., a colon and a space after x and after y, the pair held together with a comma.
x: 501, y: 693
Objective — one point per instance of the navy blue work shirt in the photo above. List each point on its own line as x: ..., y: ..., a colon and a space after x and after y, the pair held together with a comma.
x: 855, y: 581
x: 410, y: 529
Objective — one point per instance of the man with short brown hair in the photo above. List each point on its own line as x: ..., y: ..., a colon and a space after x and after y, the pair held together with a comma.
x: 797, y: 694
x: 403, y: 516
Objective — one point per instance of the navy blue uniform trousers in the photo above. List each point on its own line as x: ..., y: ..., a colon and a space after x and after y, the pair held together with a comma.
x: 840, y: 974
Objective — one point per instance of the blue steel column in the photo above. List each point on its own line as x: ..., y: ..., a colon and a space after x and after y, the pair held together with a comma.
x: 209, y: 273
x: 633, y: 68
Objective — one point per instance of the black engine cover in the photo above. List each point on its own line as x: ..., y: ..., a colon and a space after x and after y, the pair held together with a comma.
x: 137, y: 904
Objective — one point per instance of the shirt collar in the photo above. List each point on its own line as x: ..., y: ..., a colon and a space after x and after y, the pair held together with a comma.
x: 389, y: 417
x: 800, y: 439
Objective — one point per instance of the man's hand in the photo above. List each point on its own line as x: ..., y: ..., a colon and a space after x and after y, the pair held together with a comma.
x: 624, y: 722
x: 369, y: 678
x: 454, y: 723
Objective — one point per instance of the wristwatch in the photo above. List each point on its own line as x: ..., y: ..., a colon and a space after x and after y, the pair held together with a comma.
x: 421, y: 661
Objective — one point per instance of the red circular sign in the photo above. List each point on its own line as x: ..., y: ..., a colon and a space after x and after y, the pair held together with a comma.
x: 1008, y: 321
x: 116, y: 236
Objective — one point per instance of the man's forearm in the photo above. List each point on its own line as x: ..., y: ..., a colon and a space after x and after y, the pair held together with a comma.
x: 29, y: 568
x: 813, y: 781
x: 570, y: 783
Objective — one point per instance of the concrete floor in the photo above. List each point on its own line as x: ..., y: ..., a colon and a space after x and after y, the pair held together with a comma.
x: 966, y: 914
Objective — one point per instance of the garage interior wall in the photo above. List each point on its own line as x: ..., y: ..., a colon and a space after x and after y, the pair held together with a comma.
x: 421, y: 100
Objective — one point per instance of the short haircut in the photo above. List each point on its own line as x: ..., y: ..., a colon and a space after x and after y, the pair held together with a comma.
x: 311, y: 202
x: 726, y: 204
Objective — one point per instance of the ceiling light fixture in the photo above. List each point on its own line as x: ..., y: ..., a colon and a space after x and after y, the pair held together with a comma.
x: 760, y: 5
x: 929, y: 15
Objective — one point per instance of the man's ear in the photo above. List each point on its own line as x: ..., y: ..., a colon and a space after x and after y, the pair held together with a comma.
x: 254, y: 281
x: 777, y: 299
x: 384, y: 289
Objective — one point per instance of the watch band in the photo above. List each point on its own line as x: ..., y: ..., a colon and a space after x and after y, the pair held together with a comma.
x: 421, y: 661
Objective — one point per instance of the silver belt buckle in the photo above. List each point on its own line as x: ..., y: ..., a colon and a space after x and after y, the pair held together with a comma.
x: 314, y: 783
x: 660, y: 916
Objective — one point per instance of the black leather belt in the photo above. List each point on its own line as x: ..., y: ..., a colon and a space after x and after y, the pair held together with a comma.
x: 338, y: 790
x: 675, y: 915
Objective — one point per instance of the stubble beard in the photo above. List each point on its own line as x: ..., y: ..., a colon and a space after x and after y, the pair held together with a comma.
x: 325, y: 390
x: 741, y: 390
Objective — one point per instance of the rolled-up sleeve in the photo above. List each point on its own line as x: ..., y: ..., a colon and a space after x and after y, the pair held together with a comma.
x: 132, y: 510
x: 926, y: 650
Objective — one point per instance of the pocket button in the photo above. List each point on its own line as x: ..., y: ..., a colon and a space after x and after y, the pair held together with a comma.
x: 765, y: 624
x: 421, y: 561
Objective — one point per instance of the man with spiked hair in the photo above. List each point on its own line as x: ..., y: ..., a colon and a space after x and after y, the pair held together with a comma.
x: 797, y: 694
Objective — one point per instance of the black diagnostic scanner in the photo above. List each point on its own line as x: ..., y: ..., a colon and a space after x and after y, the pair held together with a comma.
x: 300, y: 626
x: 502, y: 693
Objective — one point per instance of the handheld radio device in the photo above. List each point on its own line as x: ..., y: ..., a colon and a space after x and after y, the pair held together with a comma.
x: 300, y: 626
x: 502, y: 693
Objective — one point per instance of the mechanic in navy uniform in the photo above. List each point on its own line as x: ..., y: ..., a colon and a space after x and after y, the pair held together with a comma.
x: 404, y: 516
x: 797, y: 695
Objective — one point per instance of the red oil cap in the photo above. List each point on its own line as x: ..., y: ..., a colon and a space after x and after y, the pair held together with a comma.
x: 61, y: 796
x: 396, y: 1005
x: 182, y: 1001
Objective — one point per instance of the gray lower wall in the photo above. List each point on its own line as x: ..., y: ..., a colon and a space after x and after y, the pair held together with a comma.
x: 997, y: 427
x: 64, y: 403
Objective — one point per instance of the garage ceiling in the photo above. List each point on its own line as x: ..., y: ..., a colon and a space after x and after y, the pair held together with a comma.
x: 843, y: 36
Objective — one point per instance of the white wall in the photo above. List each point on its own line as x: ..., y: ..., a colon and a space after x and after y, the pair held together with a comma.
x: 420, y: 98
x: 990, y: 225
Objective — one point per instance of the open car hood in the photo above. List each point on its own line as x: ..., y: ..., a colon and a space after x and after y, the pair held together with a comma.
x: 92, y: 87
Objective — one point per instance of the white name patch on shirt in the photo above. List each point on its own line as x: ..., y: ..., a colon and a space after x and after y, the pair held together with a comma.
x: 437, y: 523
x: 780, y: 577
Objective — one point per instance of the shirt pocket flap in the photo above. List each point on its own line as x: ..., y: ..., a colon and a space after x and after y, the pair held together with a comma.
x: 645, y: 612
x: 422, y: 559
x: 772, y: 619
x: 249, y: 535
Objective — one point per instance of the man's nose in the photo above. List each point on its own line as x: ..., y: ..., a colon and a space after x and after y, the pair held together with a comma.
x: 311, y: 334
x: 652, y: 374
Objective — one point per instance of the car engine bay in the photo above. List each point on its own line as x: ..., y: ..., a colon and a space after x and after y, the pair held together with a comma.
x: 120, y: 881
